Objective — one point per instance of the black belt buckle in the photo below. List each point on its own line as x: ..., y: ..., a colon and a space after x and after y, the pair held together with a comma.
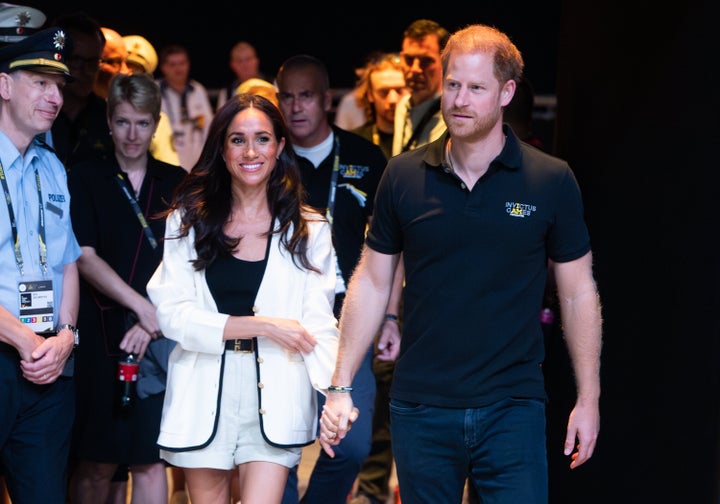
x: 240, y: 345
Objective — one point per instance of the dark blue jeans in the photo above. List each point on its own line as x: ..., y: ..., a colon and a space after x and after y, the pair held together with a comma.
x: 500, y: 447
x: 333, y: 478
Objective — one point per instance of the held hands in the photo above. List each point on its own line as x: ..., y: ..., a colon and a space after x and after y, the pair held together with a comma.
x: 337, y: 418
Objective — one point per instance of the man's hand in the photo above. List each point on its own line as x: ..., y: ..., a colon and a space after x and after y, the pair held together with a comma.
x: 337, y: 418
x: 47, y: 361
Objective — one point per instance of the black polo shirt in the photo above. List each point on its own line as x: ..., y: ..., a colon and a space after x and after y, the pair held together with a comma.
x: 475, y: 269
x: 361, y: 163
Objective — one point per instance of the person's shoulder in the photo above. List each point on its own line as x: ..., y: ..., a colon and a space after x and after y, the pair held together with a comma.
x: 535, y: 156
x: 198, y: 85
x: 358, y: 144
x: 364, y: 131
x: 92, y: 168
x: 167, y: 169
x: 428, y: 154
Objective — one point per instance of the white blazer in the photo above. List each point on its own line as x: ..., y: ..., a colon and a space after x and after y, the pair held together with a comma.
x: 287, y: 382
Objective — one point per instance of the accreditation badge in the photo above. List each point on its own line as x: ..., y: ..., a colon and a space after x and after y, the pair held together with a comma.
x: 36, y: 304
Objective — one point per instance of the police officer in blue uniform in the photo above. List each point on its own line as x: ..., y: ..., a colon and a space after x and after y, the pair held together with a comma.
x: 38, y: 272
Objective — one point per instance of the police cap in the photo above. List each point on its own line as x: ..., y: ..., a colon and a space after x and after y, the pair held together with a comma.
x: 42, y: 52
x: 19, y: 21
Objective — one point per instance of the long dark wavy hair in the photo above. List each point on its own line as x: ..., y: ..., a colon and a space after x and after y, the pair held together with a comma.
x: 205, y: 199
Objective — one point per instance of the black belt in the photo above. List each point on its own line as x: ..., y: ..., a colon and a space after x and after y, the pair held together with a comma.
x: 240, y: 345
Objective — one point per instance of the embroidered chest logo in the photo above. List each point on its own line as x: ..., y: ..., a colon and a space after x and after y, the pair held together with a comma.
x: 353, y: 171
x: 521, y: 210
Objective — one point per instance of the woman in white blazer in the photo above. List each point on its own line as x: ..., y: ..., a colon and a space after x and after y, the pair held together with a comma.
x: 246, y: 289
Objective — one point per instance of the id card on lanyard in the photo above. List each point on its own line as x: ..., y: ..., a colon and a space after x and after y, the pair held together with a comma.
x: 36, y: 305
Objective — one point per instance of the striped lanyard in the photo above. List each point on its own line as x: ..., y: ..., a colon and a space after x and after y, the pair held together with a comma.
x: 13, y: 224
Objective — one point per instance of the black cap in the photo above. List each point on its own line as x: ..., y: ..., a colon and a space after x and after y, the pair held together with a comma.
x: 42, y: 52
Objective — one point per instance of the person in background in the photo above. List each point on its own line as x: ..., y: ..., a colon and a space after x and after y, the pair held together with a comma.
x: 112, y: 62
x: 39, y: 290
x: 486, y: 270
x: 113, y: 205
x: 80, y: 131
x: 380, y: 86
x: 418, y: 119
x: 142, y: 58
x: 245, y: 288
x: 186, y: 103
x: 340, y: 171
x: 260, y: 87
x: 244, y: 64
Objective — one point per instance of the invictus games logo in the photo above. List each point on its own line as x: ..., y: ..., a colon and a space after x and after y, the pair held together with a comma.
x: 519, y: 209
x: 353, y: 171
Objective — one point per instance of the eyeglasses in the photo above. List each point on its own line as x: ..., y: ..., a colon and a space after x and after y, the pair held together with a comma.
x: 114, y: 62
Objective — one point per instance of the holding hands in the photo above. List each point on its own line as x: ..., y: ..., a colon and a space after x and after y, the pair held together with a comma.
x: 336, y: 421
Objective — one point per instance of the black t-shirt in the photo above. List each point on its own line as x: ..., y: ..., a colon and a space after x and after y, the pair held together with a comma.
x: 361, y: 164
x: 475, y: 269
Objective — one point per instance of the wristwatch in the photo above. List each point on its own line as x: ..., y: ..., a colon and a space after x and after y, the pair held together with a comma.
x: 74, y: 331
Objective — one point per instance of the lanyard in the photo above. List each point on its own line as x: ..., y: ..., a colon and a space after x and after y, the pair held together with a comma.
x: 123, y: 183
x: 333, y: 182
x: 13, y: 224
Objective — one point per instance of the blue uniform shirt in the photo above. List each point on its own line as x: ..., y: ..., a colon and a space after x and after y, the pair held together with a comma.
x: 62, y: 247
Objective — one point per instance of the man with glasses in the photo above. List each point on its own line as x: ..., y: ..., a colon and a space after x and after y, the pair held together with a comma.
x: 113, y: 61
x: 81, y: 132
x: 418, y: 119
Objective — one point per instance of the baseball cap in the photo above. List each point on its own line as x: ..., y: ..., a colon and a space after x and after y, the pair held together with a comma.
x: 141, y: 52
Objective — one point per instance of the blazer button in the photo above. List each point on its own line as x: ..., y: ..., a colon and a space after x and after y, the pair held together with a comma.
x: 260, y: 360
x: 261, y: 385
x: 255, y: 309
x: 262, y: 411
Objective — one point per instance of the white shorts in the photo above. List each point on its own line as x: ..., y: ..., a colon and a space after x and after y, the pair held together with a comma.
x: 238, y: 438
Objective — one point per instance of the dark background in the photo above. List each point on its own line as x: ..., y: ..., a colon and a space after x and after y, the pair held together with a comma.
x: 638, y: 118
x: 340, y: 33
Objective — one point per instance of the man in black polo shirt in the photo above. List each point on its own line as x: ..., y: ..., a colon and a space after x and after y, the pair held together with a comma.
x: 340, y: 171
x: 476, y: 215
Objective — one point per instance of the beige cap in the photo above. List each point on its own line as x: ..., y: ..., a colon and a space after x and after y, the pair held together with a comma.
x: 141, y: 52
